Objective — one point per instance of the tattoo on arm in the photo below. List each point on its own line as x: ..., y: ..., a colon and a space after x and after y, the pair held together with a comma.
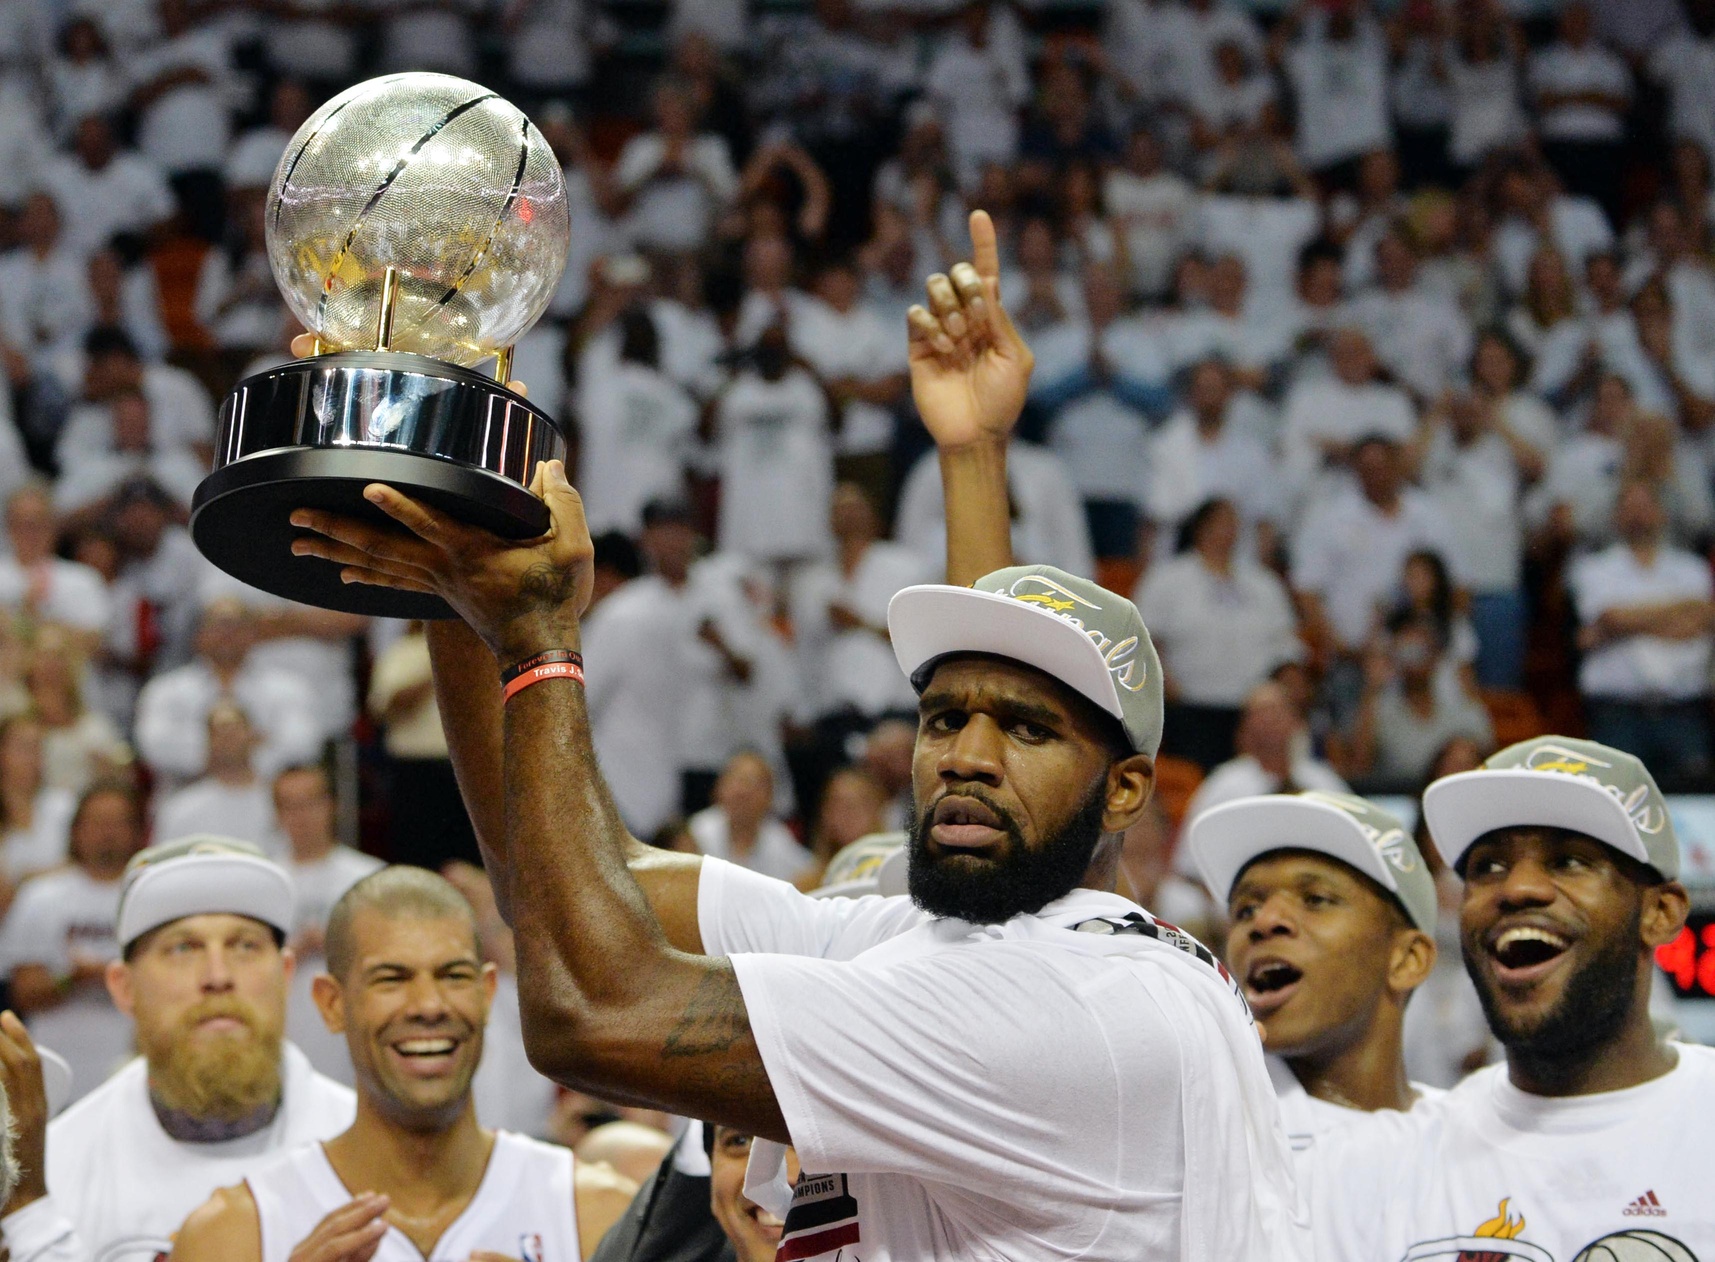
x: 714, y: 1020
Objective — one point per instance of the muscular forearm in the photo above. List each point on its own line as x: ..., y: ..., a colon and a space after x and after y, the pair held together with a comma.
x: 979, y: 520
x: 467, y: 690
x: 609, y: 1004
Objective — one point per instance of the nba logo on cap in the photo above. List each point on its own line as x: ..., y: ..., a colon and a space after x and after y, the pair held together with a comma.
x: 530, y: 1248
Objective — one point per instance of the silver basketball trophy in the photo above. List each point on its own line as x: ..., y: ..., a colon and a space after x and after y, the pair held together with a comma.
x: 417, y: 226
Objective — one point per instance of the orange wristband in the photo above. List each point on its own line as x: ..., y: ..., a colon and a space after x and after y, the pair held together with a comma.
x: 536, y: 674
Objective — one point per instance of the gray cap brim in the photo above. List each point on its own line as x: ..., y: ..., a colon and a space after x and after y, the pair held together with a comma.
x: 1463, y: 807
x: 1225, y: 839
x: 934, y: 621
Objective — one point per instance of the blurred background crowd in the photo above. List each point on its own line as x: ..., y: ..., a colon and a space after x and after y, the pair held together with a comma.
x: 1375, y: 353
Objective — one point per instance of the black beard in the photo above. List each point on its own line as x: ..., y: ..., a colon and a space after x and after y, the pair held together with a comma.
x: 1022, y: 881
x: 1593, y: 1008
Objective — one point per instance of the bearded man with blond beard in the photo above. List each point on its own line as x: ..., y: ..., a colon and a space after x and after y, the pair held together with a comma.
x: 217, y: 1090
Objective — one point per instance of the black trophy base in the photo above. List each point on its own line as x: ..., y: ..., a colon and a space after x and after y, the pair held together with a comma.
x: 241, y: 515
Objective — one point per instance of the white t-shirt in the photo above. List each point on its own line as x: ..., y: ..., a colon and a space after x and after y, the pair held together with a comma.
x: 45, y: 304
x: 646, y: 673
x: 777, y: 467
x: 172, y: 718
x: 639, y: 429
x: 776, y: 852
x: 1050, y: 530
x: 1352, y: 554
x: 1488, y: 1171
x: 1561, y: 68
x: 1578, y: 228
x: 60, y: 919
x: 63, y: 591
x: 978, y: 92
x: 181, y: 416
x: 1486, y: 110
x: 318, y: 886
x: 908, y: 1056
x: 1327, y: 410
x: 1686, y: 65
x: 244, y: 811
x: 27, y: 851
x: 507, y: 1089
x: 129, y: 194
x: 1310, y: 1120
x: 1266, y: 232
x: 1477, y: 488
x: 524, y: 1204
x: 674, y: 212
x: 1341, y: 86
x: 861, y: 343
x: 1423, y: 339
x: 1184, y: 469
x: 187, y: 127
x: 854, y: 667
x: 1218, y: 637
x: 1157, y: 214
x: 1642, y: 667
x: 120, y: 1186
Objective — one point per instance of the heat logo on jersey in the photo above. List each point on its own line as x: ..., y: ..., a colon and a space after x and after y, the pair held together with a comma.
x: 1501, y: 1237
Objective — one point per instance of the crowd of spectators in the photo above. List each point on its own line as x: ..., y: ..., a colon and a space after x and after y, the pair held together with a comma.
x: 1375, y: 352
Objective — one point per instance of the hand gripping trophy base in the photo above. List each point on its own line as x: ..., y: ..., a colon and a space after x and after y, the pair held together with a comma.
x: 314, y: 432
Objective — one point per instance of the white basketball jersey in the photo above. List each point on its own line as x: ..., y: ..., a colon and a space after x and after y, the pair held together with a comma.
x: 524, y: 1207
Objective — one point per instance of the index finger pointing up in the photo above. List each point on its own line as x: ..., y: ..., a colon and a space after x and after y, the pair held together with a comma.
x: 985, y: 252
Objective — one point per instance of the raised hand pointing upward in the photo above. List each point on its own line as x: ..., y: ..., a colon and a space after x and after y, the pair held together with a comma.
x: 969, y: 367
x: 970, y: 371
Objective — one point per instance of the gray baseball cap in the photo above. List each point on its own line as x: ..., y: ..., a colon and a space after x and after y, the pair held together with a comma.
x: 199, y: 875
x: 1556, y: 782
x: 1088, y: 638
x: 1225, y: 839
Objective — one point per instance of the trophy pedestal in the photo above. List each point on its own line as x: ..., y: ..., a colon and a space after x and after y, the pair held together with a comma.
x: 314, y: 432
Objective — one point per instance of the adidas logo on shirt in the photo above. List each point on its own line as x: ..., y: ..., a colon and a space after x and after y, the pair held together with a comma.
x: 1646, y: 1206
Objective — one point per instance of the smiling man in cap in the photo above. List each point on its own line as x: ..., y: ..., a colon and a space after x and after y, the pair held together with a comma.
x: 1014, y: 1062
x: 1596, y: 1127
x: 217, y: 1090
x: 1332, y: 913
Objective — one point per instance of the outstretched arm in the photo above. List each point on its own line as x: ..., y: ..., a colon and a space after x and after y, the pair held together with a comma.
x: 970, y: 371
x: 609, y: 1003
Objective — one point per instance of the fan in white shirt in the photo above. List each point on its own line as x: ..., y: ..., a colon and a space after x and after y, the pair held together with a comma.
x: 1589, y: 1141
x: 1331, y: 912
x: 1350, y: 552
x: 408, y: 992
x: 842, y: 1025
x: 1050, y: 528
x: 1154, y: 208
x: 1223, y: 623
x: 1322, y: 418
x: 35, y: 581
x: 35, y: 818
x: 1213, y: 448
x: 217, y: 1091
x: 1422, y: 339
x: 674, y: 180
x: 1684, y: 62
x: 1646, y: 609
x: 172, y: 710
x: 45, y: 303
x: 102, y: 191
x: 1338, y: 68
x: 638, y: 429
x: 773, y: 433
x: 181, y: 414
x: 741, y: 828
x: 180, y: 88
x: 1583, y: 91
x: 1530, y: 195
x: 59, y: 941
x: 978, y: 85
x: 839, y: 614
x: 229, y: 799
x: 857, y: 351
x: 322, y: 870
x: 136, y: 452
